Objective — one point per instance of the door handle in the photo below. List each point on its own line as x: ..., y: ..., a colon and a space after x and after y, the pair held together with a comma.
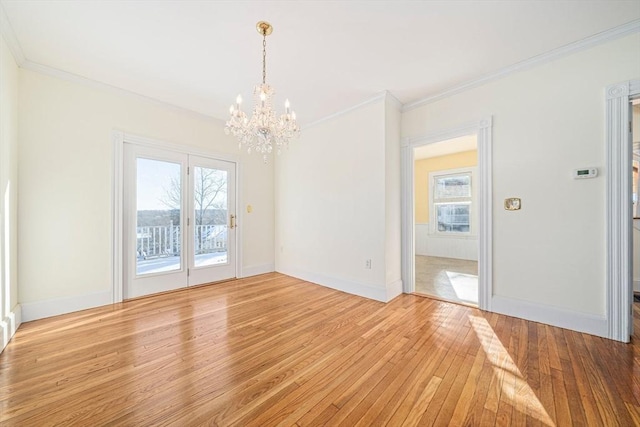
x: 232, y: 221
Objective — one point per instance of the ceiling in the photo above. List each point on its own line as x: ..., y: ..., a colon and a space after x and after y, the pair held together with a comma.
x: 325, y: 56
x: 443, y: 148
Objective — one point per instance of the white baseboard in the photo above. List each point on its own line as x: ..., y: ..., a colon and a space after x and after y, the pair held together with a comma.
x: 394, y: 289
x: 9, y: 325
x: 567, y: 319
x: 348, y: 286
x: 254, y: 270
x: 54, y: 307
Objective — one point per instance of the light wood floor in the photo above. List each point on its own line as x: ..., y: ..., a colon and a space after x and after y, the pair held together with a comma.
x: 272, y: 350
x: 454, y: 280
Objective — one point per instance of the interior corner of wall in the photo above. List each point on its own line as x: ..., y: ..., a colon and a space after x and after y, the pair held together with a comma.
x: 394, y: 289
x: 9, y: 325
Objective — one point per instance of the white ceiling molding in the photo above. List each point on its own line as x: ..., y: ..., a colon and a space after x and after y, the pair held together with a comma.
x: 63, y: 75
x: 394, y: 100
x: 378, y: 97
x: 617, y: 32
x: 10, y: 37
x: 586, y: 43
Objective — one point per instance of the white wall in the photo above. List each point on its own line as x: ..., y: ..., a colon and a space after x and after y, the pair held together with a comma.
x: 547, y: 121
x: 9, y: 308
x: 430, y: 244
x: 337, y: 206
x: 393, y: 214
x: 66, y: 175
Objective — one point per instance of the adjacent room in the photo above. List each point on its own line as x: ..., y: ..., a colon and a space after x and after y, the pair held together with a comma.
x: 446, y: 236
x: 337, y: 213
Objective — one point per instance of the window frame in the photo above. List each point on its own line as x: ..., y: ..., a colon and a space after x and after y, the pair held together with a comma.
x: 471, y: 200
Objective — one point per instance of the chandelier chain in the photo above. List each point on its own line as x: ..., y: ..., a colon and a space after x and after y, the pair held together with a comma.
x: 264, y: 59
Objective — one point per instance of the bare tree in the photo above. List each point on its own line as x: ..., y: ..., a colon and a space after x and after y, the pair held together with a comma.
x: 210, y: 190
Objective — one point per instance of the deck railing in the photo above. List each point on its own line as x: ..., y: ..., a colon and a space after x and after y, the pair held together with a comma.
x: 159, y: 241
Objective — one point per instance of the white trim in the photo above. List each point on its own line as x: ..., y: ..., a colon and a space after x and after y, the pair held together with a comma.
x: 605, y: 36
x: 618, y: 238
x: 119, y: 138
x: 378, y: 97
x: 395, y: 101
x: 562, y: 318
x: 472, y: 200
x: 85, y: 81
x: 10, y: 37
x: 407, y: 209
x: 54, y: 307
x: 484, y: 182
x: 462, y: 129
x: 254, y: 270
x: 348, y: 286
x: 485, y: 214
x: 9, y: 325
x: 586, y: 43
x: 117, y: 218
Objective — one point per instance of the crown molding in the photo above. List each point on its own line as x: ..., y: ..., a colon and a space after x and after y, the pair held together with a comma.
x: 629, y: 28
x: 64, y: 75
x: 376, y: 98
x: 395, y: 101
x: 586, y: 43
x: 10, y: 37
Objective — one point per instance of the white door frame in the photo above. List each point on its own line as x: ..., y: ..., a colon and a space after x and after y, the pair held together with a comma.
x: 482, y: 129
x: 619, y: 267
x: 118, y: 139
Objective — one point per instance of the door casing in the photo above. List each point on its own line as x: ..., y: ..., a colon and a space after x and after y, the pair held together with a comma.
x: 118, y: 139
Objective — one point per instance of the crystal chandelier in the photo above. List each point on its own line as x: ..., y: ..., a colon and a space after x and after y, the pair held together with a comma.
x: 264, y: 129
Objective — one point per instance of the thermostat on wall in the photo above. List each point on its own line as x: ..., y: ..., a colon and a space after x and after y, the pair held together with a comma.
x: 585, y: 173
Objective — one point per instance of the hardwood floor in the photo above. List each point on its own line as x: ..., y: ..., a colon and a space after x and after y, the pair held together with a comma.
x: 274, y: 350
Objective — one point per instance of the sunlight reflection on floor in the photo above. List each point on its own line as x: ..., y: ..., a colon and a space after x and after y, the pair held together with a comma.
x: 464, y: 285
x: 509, y: 378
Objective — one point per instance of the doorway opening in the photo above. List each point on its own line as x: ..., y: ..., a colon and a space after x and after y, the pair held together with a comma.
x: 446, y: 219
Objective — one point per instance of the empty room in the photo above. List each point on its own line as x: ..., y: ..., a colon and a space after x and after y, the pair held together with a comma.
x: 323, y: 213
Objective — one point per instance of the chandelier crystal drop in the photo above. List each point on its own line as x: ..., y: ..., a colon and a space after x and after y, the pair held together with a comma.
x: 264, y: 130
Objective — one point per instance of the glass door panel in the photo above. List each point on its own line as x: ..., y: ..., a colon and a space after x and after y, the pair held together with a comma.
x: 210, y: 214
x: 154, y: 203
x: 212, y: 206
x: 158, y: 207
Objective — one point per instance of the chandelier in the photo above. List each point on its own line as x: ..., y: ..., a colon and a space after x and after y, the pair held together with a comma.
x: 264, y: 130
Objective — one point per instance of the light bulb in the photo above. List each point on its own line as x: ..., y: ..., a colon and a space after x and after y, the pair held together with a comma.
x: 238, y: 100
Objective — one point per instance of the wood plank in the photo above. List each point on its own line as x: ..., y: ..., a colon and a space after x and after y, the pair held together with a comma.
x: 276, y: 350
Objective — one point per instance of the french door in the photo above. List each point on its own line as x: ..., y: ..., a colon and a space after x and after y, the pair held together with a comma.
x: 179, y: 220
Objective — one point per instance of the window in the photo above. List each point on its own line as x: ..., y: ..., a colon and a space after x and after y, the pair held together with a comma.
x: 451, y: 202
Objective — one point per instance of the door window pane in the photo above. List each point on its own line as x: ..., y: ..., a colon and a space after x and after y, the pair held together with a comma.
x: 158, y: 204
x: 210, y: 216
